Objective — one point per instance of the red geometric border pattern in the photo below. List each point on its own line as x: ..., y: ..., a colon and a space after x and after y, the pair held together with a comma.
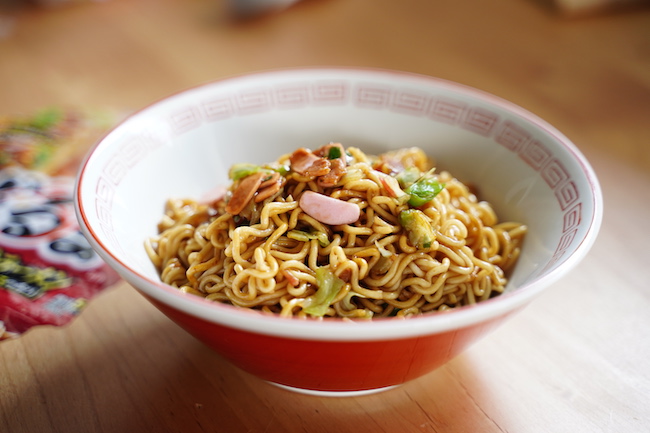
x: 186, y: 119
x: 554, y: 173
x: 572, y: 218
x: 341, y: 92
x: 218, y: 109
x: 254, y: 101
x: 480, y: 120
x: 567, y: 194
x: 292, y: 96
x: 535, y: 154
x: 330, y: 92
x: 373, y: 96
x: 512, y: 136
x: 409, y: 102
x: 448, y: 111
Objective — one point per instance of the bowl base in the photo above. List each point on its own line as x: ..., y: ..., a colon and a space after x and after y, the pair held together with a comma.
x: 318, y: 393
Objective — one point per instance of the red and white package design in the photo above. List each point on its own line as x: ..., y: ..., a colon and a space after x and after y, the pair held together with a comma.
x: 48, y: 270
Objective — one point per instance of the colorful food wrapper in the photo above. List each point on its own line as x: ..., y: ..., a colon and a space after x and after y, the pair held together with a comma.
x: 48, y: 271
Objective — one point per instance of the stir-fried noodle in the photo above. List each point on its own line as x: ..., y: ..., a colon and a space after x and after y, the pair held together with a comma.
x: 384, y: 236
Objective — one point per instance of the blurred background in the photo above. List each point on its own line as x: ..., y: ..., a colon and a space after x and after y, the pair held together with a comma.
x: 547, y: 56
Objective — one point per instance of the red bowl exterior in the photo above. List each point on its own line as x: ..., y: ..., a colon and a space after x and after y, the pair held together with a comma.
x: 331, y: 366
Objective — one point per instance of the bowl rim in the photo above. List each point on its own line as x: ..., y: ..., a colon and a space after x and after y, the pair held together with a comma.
x: 335, y: 329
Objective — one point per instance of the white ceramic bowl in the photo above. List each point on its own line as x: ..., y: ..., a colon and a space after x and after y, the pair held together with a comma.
x: 182, y: 146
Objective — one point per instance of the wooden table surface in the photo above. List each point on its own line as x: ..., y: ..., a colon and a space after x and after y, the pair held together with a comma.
x: 576, y: 360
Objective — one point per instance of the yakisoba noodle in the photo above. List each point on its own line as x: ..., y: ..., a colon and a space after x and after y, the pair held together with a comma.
x: 421, y: 240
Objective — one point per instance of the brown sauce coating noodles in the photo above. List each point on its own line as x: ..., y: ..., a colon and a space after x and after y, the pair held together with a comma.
x: 262, y: 260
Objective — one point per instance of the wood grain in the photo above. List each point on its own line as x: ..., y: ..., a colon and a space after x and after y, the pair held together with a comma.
x: 574, y: 361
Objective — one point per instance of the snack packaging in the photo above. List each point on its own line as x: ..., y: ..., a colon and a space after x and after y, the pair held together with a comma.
x: 48, y: 271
